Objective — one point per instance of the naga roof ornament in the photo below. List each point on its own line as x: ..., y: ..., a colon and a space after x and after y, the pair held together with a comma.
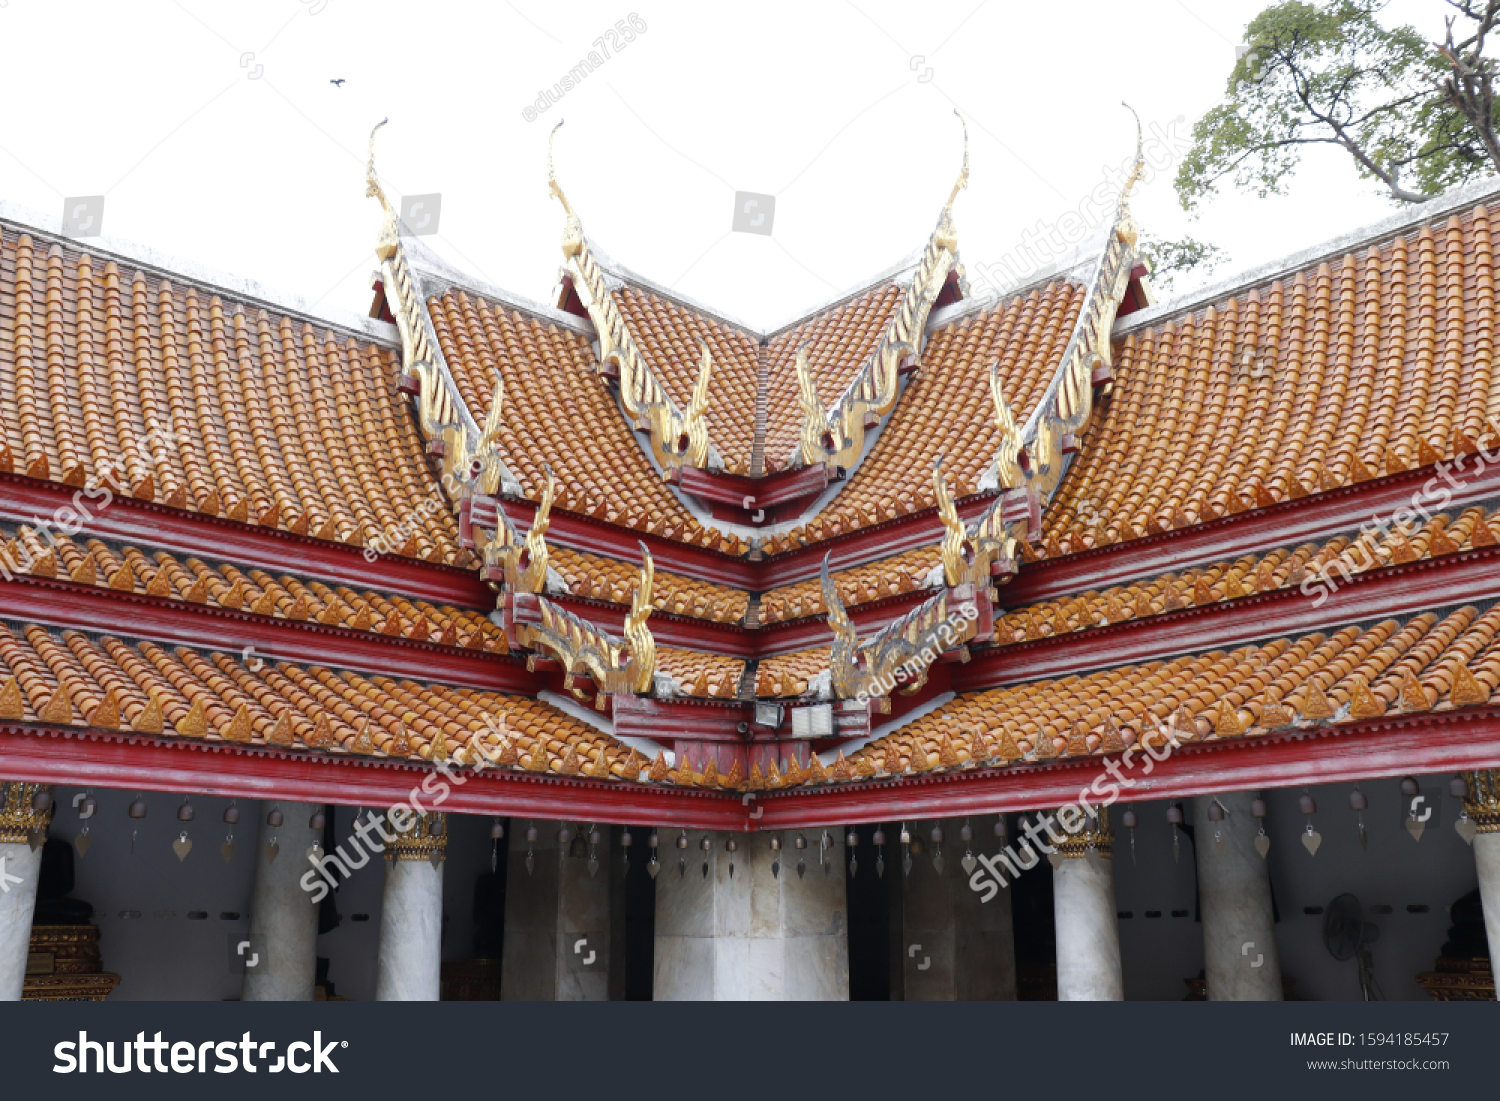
x: 469, y: 456
x: 678, y: 438
x: 836, y: 435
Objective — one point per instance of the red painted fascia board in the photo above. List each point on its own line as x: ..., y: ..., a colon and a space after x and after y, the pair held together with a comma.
x: 112, y: 760
x: 59, y: 603
x: 1393, y: 590
x: 789, y: 635
x: 150, y: 525
x: 1438, y: 742
x: 1393, y: 746
x: 1288, y: 523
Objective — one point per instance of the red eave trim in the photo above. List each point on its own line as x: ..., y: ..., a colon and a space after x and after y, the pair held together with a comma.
x: 1450, y: 741
x: 103, y: 759
x: 1394, y: 590
x: 1393, y: 746
x: 1288, y: 523
x: 149, y: 525
x: 61, y: 603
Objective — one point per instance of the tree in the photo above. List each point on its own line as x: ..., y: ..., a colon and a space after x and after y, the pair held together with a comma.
x: 1171, y: 259
x: 1416, y: 116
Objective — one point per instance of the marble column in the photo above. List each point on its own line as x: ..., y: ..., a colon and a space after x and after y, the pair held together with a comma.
x: 281, y: 958
x: 1234, y: 893
x: 411, y: 911
x: 1483, y: 807
x: 754, y: 935
x: 1083, y: 902
x: 557, y: 917
x: 20, y: 823
x: 953, y: 947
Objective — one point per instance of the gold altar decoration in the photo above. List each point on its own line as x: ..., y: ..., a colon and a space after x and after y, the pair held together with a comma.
x: 64, y: 965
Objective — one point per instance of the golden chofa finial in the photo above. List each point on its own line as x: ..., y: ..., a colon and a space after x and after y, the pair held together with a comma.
x: 1140, y: 159
x: 389, y: 240
x: 963, y: 176
x: 572, y: 242
x: 946, y: 236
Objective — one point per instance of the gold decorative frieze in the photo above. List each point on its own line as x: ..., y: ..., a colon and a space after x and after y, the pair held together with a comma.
x: 424, y: 838
x: 678, y: 438
x: 836, y: 436
x: 1094, y: 835
x: 616, y: 667
x: 20, y: 818
x: 1483, y: 801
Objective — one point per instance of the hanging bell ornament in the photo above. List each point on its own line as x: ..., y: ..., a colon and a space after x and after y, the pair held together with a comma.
x: 1215, y: 812
x: 41, y: 802
x: 435, y: 826
x: 497, y: 830
x: 1262, y: 839
x: 1358, y: 803
x: 595, y: 837
x: 185, y: 812
x: 964, y: 832
x: 231, y: 815
x: 138, y: 808
x: 317, y: 821
x: 775, y: 857
x: 879, y: 837
x: 1409, y: 786
x: 1311, y: 838
x: 682, y: 841
x: 275, y: 818
x: 1458, y: 787
x: 1174, y: 816
x: 564, y: 835
x: 706, y: 844
x: 532, y: 835
x: 1129, y: 821
x: 801, y: 842
x: 1306, y: 804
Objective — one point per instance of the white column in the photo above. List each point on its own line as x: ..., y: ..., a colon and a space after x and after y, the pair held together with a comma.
x: 1083, y: 901
x: 281, y: 958
x: 751, y: 936
x: 20, y: 822
x: 1483, y: 806
x: 411, y: 913
x: 1234, y: 891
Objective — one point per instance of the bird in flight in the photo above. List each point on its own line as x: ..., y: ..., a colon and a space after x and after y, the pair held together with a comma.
x: 339, y: 83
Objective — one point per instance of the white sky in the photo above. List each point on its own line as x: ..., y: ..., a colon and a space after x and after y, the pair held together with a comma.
x: 815, y: 101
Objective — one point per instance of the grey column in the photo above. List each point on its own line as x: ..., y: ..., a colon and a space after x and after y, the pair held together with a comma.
x: 1234, y: 891
x: 1483, y: 806
x: 20, y: 823
x: 411, y: 913
x: 557, y: 919
x: 1088, y: 938
x: 954, y: 947
x: 751, y: 936
x: 281, y: 960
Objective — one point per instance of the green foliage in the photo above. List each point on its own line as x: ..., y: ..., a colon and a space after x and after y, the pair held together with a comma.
x: 1171, y: 259
x: 1330, y: 74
